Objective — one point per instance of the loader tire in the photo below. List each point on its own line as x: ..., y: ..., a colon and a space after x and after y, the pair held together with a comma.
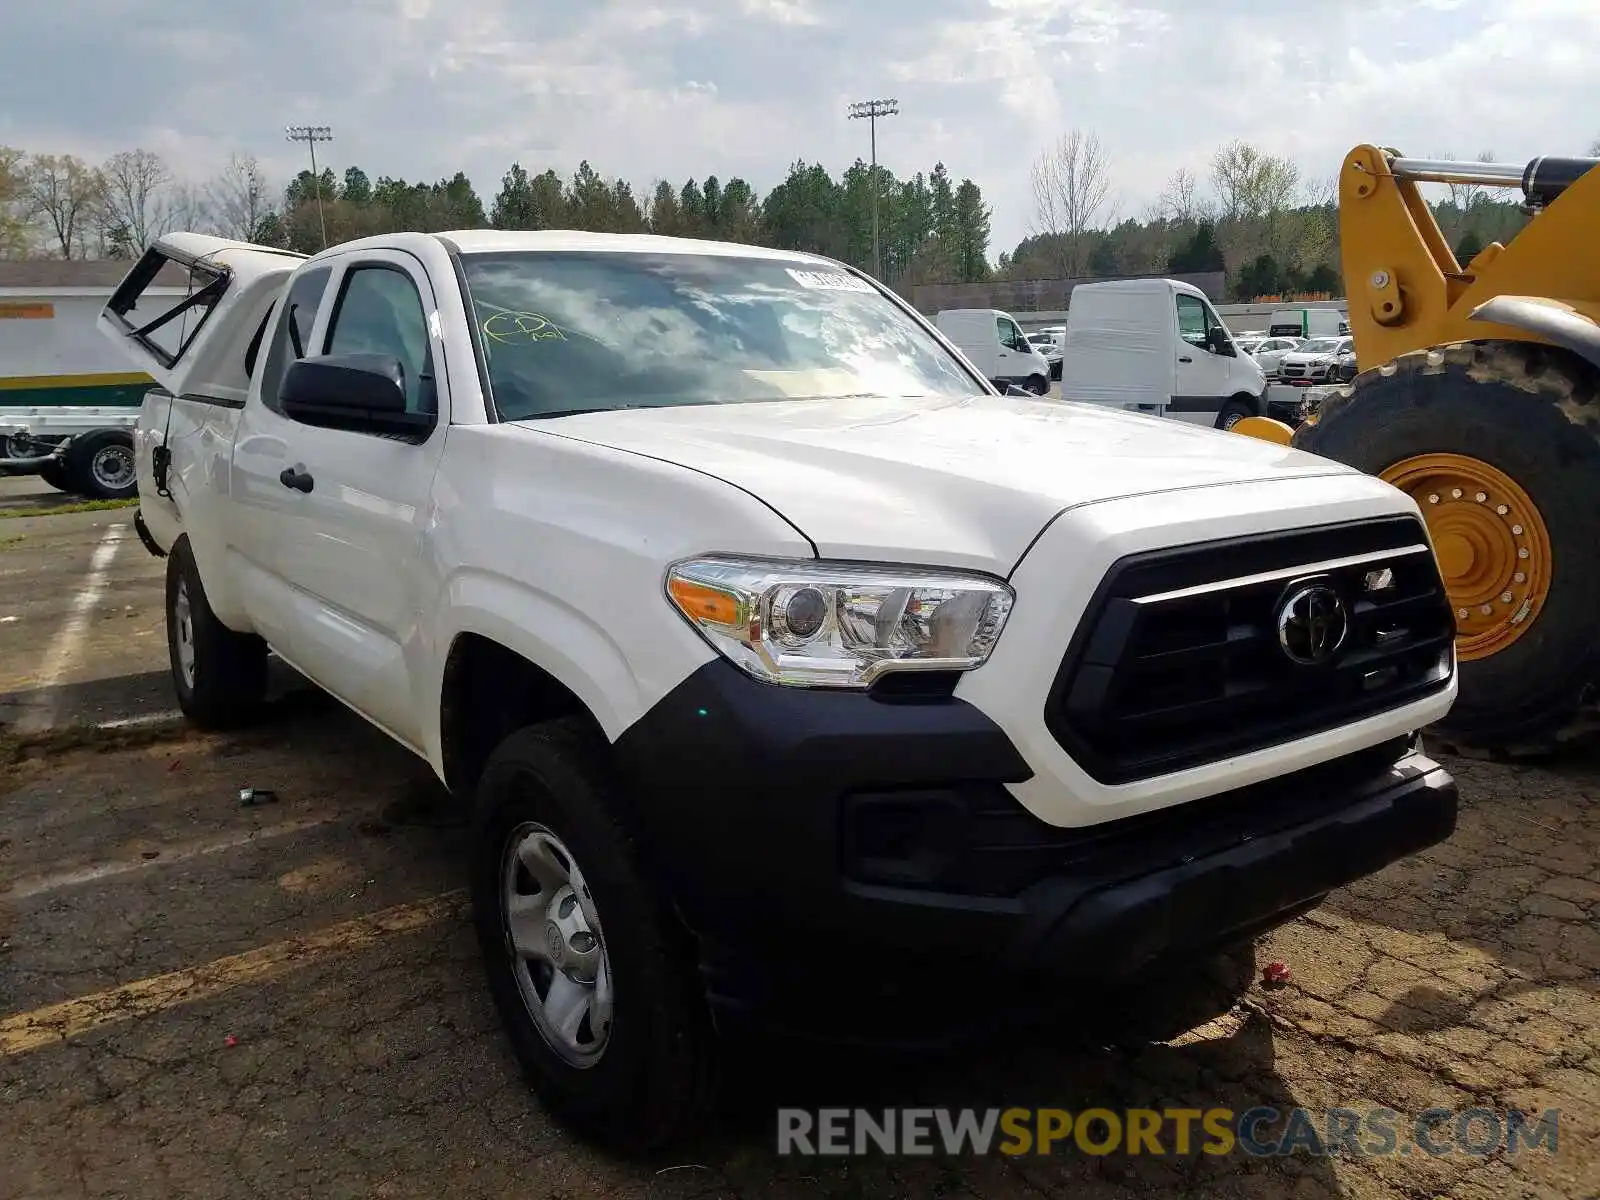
x: 1499, y: 445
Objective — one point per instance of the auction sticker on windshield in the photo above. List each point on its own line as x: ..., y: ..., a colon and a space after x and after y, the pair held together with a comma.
x: 829, y: 281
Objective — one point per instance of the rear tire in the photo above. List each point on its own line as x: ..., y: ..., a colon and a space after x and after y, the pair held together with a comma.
x: 100, y: 465
x: 1530, y: 414
x: 646, y: 1077
x: 220, y: 676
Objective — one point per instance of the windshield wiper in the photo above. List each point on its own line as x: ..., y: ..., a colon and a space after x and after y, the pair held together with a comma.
x: 569, y: 412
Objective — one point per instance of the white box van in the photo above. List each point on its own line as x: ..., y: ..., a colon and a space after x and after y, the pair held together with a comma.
x: 1307, y: 323
x: 1157, y: 346
x: 994, y: 343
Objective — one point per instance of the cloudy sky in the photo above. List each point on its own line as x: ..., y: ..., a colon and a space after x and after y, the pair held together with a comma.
x: 668, y: 88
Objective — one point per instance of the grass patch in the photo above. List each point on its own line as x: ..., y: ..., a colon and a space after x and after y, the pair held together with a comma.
x: 12, y: 539
x: 72, y: 506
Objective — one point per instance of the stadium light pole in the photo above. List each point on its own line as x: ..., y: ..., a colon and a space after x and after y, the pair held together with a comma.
x: 311, y: 135
x: 870, y: 111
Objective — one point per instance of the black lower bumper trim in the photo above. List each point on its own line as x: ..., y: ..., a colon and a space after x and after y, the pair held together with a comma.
x: 764, y: 810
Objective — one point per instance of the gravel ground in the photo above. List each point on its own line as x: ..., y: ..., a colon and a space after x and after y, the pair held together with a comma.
x: 201, y: 998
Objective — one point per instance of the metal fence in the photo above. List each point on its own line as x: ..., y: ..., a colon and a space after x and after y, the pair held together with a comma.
x: 1018, y: 296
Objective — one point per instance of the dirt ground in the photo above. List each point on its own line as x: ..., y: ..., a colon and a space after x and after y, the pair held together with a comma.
x: 200, y: 997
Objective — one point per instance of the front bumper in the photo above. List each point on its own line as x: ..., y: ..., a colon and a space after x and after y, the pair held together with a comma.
x: 830, y: 845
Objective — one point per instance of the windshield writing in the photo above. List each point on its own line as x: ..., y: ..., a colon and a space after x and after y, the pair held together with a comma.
x: 570, y: 331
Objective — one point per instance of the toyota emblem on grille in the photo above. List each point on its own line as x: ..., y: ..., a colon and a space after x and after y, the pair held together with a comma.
x: 1312, y: 624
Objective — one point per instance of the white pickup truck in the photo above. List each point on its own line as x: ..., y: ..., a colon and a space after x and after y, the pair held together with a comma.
x: 786, y: 666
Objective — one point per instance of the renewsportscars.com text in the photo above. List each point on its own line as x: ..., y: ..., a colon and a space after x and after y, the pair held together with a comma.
x: 1263, y: 1131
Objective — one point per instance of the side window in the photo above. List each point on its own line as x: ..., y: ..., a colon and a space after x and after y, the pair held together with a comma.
x: 292, y: 336
x: 380, y: 312
x: 1191, y: 320
x: 1010, y: 336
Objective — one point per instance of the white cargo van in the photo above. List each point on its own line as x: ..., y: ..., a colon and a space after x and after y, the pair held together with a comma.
x: 1157, y: 346
x: 994, y: 344
x: 1307, y: 323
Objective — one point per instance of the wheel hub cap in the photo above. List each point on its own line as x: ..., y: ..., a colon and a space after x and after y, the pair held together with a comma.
x: 113, y: 466
x: 557, y: 948
x: 1491, y: 543
x: 183, y: 628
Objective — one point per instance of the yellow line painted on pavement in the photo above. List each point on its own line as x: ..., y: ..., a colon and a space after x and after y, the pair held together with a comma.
x: 73, y: 1018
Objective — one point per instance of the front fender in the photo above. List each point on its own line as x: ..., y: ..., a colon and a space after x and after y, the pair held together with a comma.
x: 557, y: 638
x: 1555, y: 322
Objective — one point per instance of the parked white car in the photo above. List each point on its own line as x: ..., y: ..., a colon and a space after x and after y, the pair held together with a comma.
x: 1314, y: 361
x: 1269, y: 352
x: 750, y: 623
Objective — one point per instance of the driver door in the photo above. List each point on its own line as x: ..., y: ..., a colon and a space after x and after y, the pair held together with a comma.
x: 1200, y: 384
x: 1014, y: 358
x: 343, y: 561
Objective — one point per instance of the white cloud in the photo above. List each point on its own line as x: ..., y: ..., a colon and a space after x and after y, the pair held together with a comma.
x: 673, y: 88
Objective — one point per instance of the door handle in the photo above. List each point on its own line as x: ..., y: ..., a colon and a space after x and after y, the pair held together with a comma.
x: 300, y: 481
x: 1185, y: 358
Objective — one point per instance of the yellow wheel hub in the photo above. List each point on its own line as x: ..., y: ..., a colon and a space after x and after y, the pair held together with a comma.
x: 1492, y: 545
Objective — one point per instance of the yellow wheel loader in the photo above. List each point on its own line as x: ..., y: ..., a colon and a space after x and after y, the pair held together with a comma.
x: 1478, y: 393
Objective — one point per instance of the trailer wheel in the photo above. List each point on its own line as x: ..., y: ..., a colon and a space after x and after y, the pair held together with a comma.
x: 220, y: 675
x: 55, y: 474
x: 100, y: 465
x: 1497, y: 445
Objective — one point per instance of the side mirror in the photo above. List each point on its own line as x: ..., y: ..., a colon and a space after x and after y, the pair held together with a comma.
x: 361, y: 393
x: 1013, y: 390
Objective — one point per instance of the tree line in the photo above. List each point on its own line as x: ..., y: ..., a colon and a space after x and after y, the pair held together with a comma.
x: 933, y: 229
x: 1256, y: 216
x: 1272, y: 228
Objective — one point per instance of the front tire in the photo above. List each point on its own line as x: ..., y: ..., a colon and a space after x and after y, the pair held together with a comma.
x: 1038, y: 385
x: 605, y: 1014
x: 220, y: 676
x: 1497, y: 445
x: 1233, y: 412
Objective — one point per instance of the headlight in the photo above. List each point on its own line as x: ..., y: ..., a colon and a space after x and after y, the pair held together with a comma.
x: 819, y: 624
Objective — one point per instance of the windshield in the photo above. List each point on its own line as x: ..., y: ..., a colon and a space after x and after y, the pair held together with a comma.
x: 568, y: 331
x: 1320, y: 346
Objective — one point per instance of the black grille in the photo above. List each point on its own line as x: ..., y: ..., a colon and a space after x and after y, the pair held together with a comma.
x: 1178, y: 660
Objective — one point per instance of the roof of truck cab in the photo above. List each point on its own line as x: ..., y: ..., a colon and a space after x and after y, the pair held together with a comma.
x: 481, y: 241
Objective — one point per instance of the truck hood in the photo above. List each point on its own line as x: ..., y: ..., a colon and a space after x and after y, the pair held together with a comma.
x: 966, y: 482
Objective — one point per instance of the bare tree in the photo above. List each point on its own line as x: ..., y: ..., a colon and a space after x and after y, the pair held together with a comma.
x: 1467, y: 196
x: 1594, y: 148
x: 187, y: 207
x: 138, y: 207
x: 1181, y: 201
x: 1071, y: 192
x: 240, y: 199
x: 68, y: 194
